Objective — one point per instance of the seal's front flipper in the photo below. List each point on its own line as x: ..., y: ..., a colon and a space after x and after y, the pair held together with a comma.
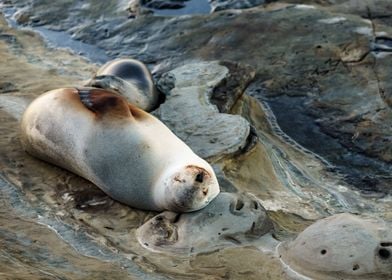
x: 104, y: 103
x: 109, y: 82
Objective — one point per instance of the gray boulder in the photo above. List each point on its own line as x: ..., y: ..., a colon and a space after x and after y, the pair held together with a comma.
x: 341, y: 246
x: 229, y: 220
x: 190, y: 113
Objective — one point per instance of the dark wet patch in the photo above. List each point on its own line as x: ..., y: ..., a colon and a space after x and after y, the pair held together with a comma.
x: 359, y: 170
x: 8, y: 38
x: 232, y: 87
x: 91, y: 200
x: 164, y: 4
x: 177, y: 7
x: 7, y: 87
x: 382, y: 44
x: 250, y: 143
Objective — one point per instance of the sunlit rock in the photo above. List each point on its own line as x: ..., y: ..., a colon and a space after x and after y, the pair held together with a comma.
x: 189, y: 110
x: 340, y: 246
x: 229, y: 220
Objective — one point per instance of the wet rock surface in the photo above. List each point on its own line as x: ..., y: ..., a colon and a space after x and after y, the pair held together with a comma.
x: 163, y: 4
x: 318, y: 107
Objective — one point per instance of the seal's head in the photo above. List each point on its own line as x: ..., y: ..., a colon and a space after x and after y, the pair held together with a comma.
x: 187, y: 188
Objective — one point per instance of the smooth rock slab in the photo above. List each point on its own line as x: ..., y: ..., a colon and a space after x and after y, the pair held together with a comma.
x: 230, y: 219
x: 189, y: 113
x: 342, y: 245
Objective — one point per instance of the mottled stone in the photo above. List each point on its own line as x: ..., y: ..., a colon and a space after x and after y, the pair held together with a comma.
x: 230, y: 219
x: 189, y: 112
x: 342, y: 245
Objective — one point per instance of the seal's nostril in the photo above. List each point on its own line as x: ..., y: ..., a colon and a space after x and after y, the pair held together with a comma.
x: 205, y: 191
x: 199, y: 177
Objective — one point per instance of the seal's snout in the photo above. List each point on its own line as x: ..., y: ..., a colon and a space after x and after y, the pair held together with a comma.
x: 199, y: 180
x: 191, y: 188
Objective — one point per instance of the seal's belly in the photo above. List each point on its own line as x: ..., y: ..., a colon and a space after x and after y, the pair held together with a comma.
x: 128, y: 153
x: 51, y: 131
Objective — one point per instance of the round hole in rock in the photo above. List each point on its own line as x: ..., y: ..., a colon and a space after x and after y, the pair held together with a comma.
x: 239, y: 205
x: 355, y: 267
x: 176, y: 218
x: 323, y: 252
x: 384, y: 253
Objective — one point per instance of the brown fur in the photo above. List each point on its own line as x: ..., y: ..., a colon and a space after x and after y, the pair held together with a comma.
x: 104, y: 103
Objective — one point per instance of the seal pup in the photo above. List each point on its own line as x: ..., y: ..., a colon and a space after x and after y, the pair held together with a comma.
x: 128, y: 153
x: 131, y: 79
x: 231, y: 219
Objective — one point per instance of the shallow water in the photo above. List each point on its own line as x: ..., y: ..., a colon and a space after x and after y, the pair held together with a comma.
x: 192, y: 7
x: 61, y: 39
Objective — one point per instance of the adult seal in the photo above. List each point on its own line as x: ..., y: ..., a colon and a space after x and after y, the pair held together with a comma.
x: 128, y: 153
x: 131, y: 79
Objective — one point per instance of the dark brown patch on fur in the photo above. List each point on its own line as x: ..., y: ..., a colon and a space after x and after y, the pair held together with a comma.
x: 104, y: 102
x: 198, y: 170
